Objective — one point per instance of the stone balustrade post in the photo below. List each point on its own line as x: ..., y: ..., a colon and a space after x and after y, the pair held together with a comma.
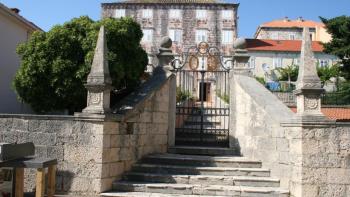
x: 164, y: 68
x: 241, y: 58
x: 308, y: 89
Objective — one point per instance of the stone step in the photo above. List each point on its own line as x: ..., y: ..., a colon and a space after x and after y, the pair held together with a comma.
x: 195, y: 122
x: 195, y: 160
x: 145, y: 194
x: 212, y: 151
x: 205, y: 126
x: 205, y: 180
x: 190, y: 170
x: 213, y: 190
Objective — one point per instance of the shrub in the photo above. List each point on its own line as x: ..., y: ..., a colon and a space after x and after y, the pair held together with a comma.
x: 55, y: 64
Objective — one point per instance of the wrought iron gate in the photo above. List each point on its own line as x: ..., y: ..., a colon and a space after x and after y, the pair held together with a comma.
x: 202, y: 98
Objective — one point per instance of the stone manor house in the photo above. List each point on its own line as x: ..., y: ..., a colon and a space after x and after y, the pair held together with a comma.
x: 186, y: 22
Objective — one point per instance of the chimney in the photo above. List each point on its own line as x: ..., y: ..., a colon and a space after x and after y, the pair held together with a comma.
x: 286, y: 19
x: 300, y: 19
x: 15, y: 10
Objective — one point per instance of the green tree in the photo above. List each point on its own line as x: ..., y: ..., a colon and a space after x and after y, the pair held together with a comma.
x: 55, y: 64
x: 288, y: 73
x: 327, y: 72
x: 339, y: 28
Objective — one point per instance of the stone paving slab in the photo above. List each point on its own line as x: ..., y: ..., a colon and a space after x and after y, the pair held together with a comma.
x: 215, y: 190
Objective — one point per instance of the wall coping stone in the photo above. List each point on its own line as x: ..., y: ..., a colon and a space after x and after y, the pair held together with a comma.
x: 318, y: 124
x: 76, y: 117
x: 132, y: 102
x: 276, y: 109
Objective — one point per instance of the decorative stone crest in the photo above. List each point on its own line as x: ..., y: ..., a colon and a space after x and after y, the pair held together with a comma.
x: 309, y: 87
x: 99, y: 83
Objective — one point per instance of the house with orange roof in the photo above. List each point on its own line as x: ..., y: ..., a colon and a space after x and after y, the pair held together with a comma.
x: 268, y: 55
x: 287, y: 29
x: 14, y: 29
x: 278, y: 44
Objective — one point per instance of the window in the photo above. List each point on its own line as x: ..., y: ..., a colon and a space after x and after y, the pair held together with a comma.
x: 277, y: 62
x: 274, y: 36
x: 119, y: 13
x: 201, y: 14
x: 175, y: 35
x: 227, y: 36
x: 147, y: 35
x: 296, y: 61
x: 175, y: 13
x: 227, y: 14
x: 252, y: 62
x: 147, y: 13
x: 291, y: 36
x: 201, y: 36
x: 323, y: 63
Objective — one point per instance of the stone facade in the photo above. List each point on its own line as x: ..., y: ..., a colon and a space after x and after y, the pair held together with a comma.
x: 283, y: 33
x: 187, y: 23
x: 93, y: 152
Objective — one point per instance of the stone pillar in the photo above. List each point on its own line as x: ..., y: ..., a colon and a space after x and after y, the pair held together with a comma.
x: 241, y: 58
x: 99, y: 83
x: 165, y: 57
x: 308, y: 88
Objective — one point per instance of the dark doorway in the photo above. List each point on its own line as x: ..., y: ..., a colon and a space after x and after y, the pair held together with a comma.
x: 204, y: 92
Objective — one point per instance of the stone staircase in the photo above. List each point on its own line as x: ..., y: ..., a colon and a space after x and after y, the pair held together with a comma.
x: 185, y: 175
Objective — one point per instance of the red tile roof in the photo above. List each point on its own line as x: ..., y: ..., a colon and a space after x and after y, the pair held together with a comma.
x: 284, y: 23
x: 340, y: 114
x: 280, y: 45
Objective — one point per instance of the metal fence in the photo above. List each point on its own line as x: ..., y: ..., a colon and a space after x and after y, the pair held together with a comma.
x: 329, y: 98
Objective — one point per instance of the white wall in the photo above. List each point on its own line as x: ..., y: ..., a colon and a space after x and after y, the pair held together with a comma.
x: 11, y: 34
x: 288, y: 58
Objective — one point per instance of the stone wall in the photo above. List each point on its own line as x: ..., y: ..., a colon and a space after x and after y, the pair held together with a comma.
x: 94, y: 151
x: 311, y: 159
x: 256, y: 123
x: 324, y: 164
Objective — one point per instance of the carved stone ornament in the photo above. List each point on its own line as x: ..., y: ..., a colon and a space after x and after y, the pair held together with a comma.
x: 194, y: 63
x: 212, y: 63
x: 311, y: 103
x: 203, y: 47
x: 94, y: 98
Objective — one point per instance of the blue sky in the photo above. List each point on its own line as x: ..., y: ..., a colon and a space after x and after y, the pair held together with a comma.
x: 46, y: 13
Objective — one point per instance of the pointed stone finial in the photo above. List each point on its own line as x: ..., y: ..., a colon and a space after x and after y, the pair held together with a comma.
x: 99, y: 73
x: 307, y: 77
x: 99, y: 83
x: 308, y: 89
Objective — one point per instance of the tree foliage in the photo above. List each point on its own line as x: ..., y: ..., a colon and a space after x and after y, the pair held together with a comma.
x: 327, y: 72
x: 339, y: 28
x: 288, y: 73
x: 55, y: 64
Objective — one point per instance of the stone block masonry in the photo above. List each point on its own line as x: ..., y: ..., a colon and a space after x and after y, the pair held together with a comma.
x: 312, y: 159
x: 93, y: 152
